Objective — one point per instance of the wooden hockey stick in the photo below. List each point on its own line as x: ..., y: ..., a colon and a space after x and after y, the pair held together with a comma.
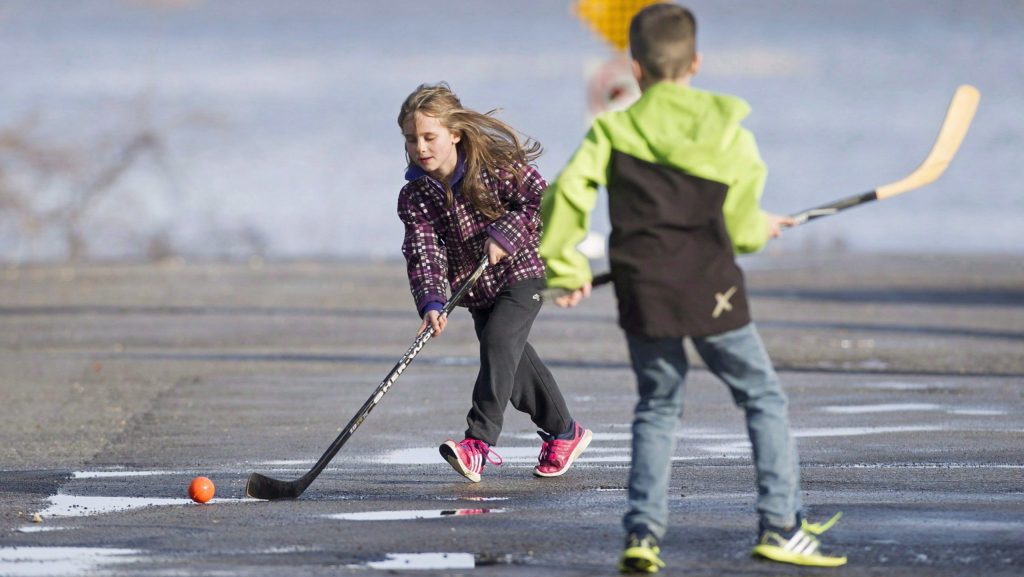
x: 952, y: 132
x: 263, y: 487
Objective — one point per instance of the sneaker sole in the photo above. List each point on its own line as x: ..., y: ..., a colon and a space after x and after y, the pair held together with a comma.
x: 582, y: 446
x: 640, y: 560
x: 448, y: 453
x: 776, y: 553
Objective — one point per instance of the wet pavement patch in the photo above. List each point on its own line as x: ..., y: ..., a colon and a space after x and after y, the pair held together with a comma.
x: 38, y: 529
x: 510, y: 455
x: 63, y: 505
x: 424, y: 561
x: 881, y: 408
x: 59, y: 561
x: 411, y: 515
x: 116, y: 474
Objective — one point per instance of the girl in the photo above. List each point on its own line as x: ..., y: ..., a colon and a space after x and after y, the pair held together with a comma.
x: 471, y: 191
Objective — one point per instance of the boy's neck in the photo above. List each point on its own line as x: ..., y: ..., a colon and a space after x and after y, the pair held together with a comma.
x: 646, y: 81
x: 683, y: 81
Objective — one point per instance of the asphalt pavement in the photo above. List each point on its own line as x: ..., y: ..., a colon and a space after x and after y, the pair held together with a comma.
x: 120, y: 383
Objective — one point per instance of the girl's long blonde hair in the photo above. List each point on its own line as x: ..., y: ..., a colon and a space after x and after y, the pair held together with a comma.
x: 487, y: 144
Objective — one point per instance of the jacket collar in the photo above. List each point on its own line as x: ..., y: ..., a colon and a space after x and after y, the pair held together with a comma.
x: 414, y: 172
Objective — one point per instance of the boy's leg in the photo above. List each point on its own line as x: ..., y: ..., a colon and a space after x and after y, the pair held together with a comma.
x: 739, y: 359
x: 502, y: 331
x: 660, y: 366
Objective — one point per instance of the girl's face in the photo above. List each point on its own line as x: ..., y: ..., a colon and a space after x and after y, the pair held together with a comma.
x: 431, y: 145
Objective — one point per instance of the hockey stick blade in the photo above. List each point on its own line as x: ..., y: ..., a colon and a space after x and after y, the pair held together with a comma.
x: 263, y: 487
x: 954, y: 128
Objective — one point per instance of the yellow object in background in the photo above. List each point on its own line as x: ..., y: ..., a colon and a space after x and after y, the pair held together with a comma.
x: 609, y: 19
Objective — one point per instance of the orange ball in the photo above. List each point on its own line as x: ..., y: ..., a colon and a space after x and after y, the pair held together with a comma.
x: 201, y: 490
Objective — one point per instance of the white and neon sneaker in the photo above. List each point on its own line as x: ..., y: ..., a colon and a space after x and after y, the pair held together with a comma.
x: 640, y: 554
x: 797, y: 545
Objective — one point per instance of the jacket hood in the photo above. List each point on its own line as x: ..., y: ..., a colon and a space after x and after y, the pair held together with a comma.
x: 684, y: 127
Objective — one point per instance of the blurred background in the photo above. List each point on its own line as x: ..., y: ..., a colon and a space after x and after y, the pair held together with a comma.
x: 227, y: 129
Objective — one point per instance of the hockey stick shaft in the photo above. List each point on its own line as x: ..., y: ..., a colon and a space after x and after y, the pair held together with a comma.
x: 263, y: 487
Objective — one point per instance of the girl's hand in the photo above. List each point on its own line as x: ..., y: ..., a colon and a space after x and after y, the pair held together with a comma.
x: 495, y: 252
x: 435, y: 320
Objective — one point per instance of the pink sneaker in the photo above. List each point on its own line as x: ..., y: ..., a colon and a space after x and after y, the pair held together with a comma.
x: 468, y: 457
x: 557, y: 455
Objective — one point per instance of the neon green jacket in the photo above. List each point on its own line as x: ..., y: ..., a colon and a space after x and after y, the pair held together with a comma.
x: 679, y: 127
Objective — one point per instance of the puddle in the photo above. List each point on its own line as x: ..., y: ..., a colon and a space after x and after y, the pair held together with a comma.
x: 424, y: 561
x: 305, y: 463
x: 881, y: 408
x: 736, y: 449
x: 37, y: 529
x: 59, y: 561
x: 520, y: 455
x: 627, y: 436
x: 456, y: 361
x: 473, y: 498
x: 726, y: 445
x: 910, y: 407
x: 943, y: 465
x: 860, y: 431
x: 407, y: 515
x: 902, y: 386
x: 430, y: 456
x: 115, y: 474
x: 977, y: 412
x: 62, y: 505
x: 865, y: 365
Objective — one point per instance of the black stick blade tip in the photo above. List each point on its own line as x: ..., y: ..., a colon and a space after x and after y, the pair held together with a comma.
x: 263, y: 487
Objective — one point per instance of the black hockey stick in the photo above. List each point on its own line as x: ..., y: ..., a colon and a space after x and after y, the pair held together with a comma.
x: 263, y: 487
x: 951, y: 134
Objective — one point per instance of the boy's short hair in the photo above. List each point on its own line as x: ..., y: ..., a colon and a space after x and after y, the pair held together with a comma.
x: 663, y: 39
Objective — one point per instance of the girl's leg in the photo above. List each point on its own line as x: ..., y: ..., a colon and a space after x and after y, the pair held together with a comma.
x: 502, y: 331
x: 738, y: 358
x: 660, y: 366
x: 536, y: 393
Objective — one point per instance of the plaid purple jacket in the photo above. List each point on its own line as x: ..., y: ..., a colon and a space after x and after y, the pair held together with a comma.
x: 444, y: 244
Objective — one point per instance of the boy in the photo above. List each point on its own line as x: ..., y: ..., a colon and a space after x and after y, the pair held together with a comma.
x: 684, y: 181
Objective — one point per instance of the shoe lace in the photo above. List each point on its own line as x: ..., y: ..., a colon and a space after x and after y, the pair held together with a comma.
x: 478, y: 446
x: 646, y: 541
x: 819, y: 528
x: 545, y: 452
x: 553, y: 449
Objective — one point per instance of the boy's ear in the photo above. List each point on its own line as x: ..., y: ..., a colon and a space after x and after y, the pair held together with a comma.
x: 638, y: 71
x: 695, y: 65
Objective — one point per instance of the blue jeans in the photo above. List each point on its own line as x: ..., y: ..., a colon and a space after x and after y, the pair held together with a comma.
x: 739, y: 359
